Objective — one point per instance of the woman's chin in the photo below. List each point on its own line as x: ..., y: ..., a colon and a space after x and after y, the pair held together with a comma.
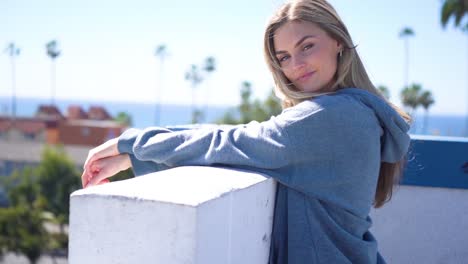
x: 310, y: 89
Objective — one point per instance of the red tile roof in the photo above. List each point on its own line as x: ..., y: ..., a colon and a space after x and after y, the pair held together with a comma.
x: 76, y: 112
x: 98, y: 113
x: 48, y: 112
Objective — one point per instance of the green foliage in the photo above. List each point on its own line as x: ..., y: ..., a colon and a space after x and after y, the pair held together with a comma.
x: 22, y: 225
x: 209, y: 64
x: 410, y: 96
x: 161, y: 51
x: 272, y: 105
x: 34, y: 193
x: 52, y: 49
x: 406, y: 32
x: 426, y: 100
x: 456, y: 9
x: 250, y: 109
x: 23, y: 190
x: 197, y: 116
x: 12, y: 50
x: 57, y: 179
x: 228, y: 118
x: 22, y: 231
x: 123, y: 175
x: 384, y: 91
x: 124, y: 118
x: 414, y: 96
x: 196, y: 75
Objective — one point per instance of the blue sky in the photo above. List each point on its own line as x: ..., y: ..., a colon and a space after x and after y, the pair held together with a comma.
x: 108, y: 48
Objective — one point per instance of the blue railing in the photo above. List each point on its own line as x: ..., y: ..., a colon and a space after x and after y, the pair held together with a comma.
x: 435, y: 161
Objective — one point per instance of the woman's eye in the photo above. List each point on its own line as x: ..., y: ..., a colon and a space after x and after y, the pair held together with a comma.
x: 306, y: 47
x: 284, y: 58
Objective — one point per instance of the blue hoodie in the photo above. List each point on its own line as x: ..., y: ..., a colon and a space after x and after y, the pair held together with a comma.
x: 325, y: 154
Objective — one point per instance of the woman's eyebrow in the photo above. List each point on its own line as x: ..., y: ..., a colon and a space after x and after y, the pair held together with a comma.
x: 297, y: 44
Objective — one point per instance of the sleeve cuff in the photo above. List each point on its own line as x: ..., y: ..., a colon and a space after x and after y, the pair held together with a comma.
x: 125, y: 145
x: 126, y: 140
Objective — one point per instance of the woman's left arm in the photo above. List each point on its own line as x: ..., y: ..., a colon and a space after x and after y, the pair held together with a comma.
x: 261, y: 145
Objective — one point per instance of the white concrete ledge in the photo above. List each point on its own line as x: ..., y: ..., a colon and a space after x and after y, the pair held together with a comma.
x: 423, y: 225
x: 182, y: 215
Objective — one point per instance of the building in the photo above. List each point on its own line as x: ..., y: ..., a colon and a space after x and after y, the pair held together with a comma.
x: 23, y: 139
x: 50, y: 126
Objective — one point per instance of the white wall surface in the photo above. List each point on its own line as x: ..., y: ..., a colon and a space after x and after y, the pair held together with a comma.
x: 423, y: 225
x: 215, y: 215
x: 183, y: 215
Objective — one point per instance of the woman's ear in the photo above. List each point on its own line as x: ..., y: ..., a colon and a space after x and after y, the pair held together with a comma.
x: 339, y: 46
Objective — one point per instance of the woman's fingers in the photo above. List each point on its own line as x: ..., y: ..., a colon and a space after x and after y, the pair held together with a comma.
x: 84, y: 178
x: 98, y: 172
x: 104, y: 181
x: 108, y: 149
x: 104, y: 168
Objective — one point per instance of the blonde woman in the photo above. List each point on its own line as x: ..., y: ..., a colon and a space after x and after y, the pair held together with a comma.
x: 336, y: 150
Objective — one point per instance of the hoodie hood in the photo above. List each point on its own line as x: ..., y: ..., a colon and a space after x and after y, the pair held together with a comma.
x: 395, y: 139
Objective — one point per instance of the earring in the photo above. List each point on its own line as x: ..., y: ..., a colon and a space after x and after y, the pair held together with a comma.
x: 340, y: 54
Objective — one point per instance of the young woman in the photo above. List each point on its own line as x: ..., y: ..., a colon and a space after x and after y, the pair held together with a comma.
x: 336, y: 149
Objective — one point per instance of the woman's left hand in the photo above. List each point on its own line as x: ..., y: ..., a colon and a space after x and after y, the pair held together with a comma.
x: 100, y: 170
x: 107, y: 149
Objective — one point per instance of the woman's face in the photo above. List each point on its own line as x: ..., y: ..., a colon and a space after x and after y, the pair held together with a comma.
x: 307, y: 55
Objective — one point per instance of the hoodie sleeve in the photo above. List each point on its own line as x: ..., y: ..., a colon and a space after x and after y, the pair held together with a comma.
x: 125, y: 145
x: 327, y: 137
x: 263, y: 145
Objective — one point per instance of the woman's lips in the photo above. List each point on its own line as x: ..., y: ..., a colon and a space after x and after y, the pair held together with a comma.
x: 305, y: 76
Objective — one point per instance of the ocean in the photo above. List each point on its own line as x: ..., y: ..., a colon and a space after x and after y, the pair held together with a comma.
x: 143, y: 115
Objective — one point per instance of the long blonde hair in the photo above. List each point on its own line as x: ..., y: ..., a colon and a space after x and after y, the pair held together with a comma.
x: 350, y: 72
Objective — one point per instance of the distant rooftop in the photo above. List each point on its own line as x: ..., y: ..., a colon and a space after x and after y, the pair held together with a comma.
x: 49, y: 112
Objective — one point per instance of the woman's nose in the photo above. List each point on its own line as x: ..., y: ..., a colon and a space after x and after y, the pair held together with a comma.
x: 298, y: 62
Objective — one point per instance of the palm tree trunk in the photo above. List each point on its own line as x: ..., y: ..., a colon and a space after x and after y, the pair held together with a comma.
x: 406, y: 62
x: 194, y: 118
x: 413, y: 121
x: 13, y: 89
x: 52, y: 82
x: 157, y: 114
x: 426, y: 116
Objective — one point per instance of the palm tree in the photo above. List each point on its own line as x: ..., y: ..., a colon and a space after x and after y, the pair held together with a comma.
x: 384, y: 91
x: 13, y: 51
x: 245, y: 107
x: 426, y: 100
x: 405, y: 34
x: 161, y: 53
x: 210, y: 64
x: 124, y: 118
x: 53, y: 53
x: 194, y: 76
x: 209, y: 67
x: 456, y: 9
x: 410, y: 97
